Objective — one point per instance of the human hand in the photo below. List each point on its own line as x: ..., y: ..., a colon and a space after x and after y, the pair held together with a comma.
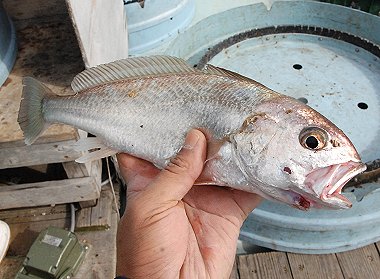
x: 172, y: 229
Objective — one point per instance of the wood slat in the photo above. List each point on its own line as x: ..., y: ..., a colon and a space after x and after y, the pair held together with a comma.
x: 273, y: 265
x: 93, y: 169
x: 362, y: 263
x: 10, y: 266
x: 49, y: 192
x: 100, y: 259
x: 34, y: 214
x: 98, y: 41
x: 234, y: 272
x: 37, y: 154
x: 315, y: 266
x: 99, y: 216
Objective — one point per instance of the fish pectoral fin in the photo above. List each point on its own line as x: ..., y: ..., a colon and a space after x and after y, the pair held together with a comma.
x: 213, y: 147
x: 205, y: 179
x: 96, y: 155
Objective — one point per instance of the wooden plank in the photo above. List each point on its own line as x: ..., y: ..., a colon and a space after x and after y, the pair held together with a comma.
x: 362, y: 263
x: 99, y: 216
x: 234, y: 272
x: 315, y: 266
x: 76, y: 170
x: 273, y: 265
x: 37, y: 154
x: 100, y: 259
x: 49, y: 192
x: 10, y: 266
x: 34, y: 214
x: 101, y: 30
x: 93, y: 169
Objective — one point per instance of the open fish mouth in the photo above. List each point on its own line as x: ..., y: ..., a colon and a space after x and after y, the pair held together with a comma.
x: 327, y: 183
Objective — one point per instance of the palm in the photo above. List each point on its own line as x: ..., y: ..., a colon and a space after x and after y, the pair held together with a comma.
x: 215, y: 219
x: 197, y: 234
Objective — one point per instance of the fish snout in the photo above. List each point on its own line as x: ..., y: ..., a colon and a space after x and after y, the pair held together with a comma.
x: 327, y: 183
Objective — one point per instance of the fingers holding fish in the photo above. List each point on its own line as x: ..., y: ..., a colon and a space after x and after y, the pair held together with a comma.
x: 179, y: 176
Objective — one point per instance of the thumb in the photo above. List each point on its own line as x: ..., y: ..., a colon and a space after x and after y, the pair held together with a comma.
x: 179, y: 176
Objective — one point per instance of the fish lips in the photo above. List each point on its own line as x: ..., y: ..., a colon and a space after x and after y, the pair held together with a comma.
x: 326, y: 183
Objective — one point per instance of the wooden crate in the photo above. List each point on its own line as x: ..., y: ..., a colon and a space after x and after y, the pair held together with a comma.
x: 47, y: 50
x: 26, y: 223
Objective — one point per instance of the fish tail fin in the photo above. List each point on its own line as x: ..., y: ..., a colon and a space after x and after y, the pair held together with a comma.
x: 30, y: 116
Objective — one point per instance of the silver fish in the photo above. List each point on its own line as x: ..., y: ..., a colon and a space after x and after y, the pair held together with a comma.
x: 259, y: 140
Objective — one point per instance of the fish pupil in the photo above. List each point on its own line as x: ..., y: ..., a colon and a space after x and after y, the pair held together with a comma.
x: 312, y: 142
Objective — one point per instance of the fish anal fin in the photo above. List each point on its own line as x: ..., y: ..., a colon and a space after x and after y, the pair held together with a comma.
x: 89, y: 144
x: 96, y: 155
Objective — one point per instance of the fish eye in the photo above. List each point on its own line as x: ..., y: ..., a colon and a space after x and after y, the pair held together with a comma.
x: 313, y: 138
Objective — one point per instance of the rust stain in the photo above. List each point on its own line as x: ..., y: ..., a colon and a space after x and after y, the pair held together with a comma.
x: 132, y: 94
x: 288, y: 111
x: 251, y: 120
x: 7, y: 81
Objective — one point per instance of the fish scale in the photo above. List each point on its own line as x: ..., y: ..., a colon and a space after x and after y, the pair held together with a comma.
x: 182, y: 102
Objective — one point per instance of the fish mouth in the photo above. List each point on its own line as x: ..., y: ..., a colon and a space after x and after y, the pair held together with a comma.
x: 327, y: 183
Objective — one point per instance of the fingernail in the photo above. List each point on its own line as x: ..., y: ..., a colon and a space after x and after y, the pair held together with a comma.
x: 191, y: 140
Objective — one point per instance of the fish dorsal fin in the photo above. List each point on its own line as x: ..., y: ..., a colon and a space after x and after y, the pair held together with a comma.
x: 128, y: 68
x: 214, y: 70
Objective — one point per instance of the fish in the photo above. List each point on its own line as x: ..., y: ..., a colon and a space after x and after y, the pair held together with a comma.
x: 259, y: 140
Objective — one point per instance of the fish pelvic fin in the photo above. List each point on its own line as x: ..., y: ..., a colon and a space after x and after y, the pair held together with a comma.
x: 30, y: 116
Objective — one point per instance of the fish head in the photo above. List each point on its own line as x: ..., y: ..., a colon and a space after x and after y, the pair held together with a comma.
x: 295, y: 155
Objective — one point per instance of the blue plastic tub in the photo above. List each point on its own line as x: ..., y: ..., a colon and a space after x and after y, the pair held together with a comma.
x: 7, y: 45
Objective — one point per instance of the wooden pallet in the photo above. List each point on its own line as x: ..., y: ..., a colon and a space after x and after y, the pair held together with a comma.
x: 47, y: 50
x: 362, y: 263
x: 25, y: 225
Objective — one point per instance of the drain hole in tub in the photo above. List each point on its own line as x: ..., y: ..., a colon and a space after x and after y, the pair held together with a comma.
x: 303, y: 100
x: 362, y: 105
x: 297, y: 66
